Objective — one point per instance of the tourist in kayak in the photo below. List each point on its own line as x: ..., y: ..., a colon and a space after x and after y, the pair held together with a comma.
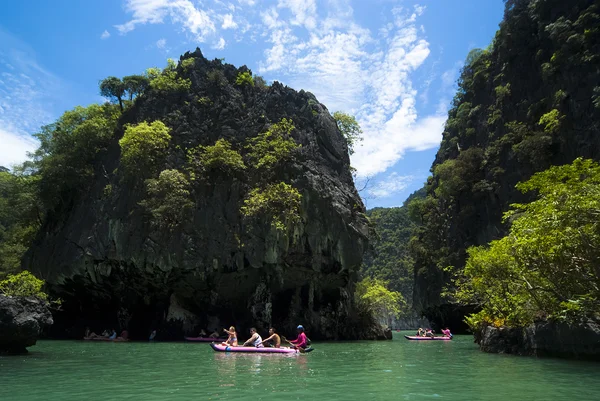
x: 446, y: 332
x: 232, y: 339
x: 202, y: 333
x: 214, y: 334
x: 420, y: 332
x: 113, y: 335
x: 255, y: 340
x: 429, y: 333
x: 273, y: 338
x: 301, y: 341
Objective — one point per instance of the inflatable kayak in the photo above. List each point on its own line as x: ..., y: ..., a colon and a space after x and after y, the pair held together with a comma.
x: 115, y: 340
x: 203, y: 339
x: 441, y: 338
x: 264, y: 350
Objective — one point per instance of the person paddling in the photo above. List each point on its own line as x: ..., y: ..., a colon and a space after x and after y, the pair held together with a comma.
x: 273, y: 337
x: 301, y: 342
x: 232, y: 339
x: 446, y: 332
x: 255, y: 340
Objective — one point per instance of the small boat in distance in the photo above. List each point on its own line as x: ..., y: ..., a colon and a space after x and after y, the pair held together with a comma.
x: 439, y: 338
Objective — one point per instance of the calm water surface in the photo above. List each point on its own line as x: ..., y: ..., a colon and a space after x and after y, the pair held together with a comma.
x: 392, y: 370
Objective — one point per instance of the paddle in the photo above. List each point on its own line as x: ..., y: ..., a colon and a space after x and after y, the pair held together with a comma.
x: 301, y: 350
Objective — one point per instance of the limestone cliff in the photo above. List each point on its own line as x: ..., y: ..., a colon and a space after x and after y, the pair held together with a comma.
x: 102, y: 256
x: 521, y: 107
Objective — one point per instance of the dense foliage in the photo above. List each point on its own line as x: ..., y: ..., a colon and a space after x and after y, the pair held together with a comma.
x: 143, y: 148
x: 244, y: 78
x: 21, y: 214
x: 390, y: 259
x: 548, y: 264
x: 23, y: 284
x: 373, y: 296
x: 279, y: 203
x: 169, y: 199
x: 220, y: 157
x: 520, y: 108
x: 65, y: 159
x: 273, y: 146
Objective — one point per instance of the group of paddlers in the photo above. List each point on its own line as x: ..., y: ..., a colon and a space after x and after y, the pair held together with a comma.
x: 431, y: 333
x: 106, y: 335
x: 274, y: 340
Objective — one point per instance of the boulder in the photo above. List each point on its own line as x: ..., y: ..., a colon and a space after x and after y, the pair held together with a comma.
x: 544, y: 338
x: 22, y: 320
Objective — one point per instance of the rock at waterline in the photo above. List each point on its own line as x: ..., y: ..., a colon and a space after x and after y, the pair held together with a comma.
x: 22, y: 320
x: 544, y: 338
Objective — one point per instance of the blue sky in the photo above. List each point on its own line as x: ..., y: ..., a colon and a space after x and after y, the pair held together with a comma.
x: 392, y: 63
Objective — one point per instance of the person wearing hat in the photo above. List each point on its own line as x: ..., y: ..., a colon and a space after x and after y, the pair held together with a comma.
x: 301, y: 341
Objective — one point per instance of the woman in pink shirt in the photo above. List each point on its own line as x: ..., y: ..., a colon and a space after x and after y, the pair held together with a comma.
x: 301, y: 341
x: 447, y: 333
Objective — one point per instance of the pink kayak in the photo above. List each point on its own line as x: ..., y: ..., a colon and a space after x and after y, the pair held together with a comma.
x: 202, y: 339
x: 265, y: 350
x: 441, y: 338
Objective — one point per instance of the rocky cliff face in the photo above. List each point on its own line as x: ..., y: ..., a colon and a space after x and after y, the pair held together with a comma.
x: 543, y: 339
x: 520, y: 109
x: 21, y: 322
x: 111, y: 267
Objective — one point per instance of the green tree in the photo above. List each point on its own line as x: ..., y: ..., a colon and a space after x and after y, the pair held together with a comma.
x: 23, y: 284
x: 547, y: 266
x: 273, y: 146
x: 219, y: 157
x: 167, y: 80
x: 21, y: 214
x: 373, y: 296
x: 349, y: 128
x: 169, y: 199
x: 278, y: 203
x: 113, y: 88
x: 143, y: 148
x: 135, y: 85
x: 244, y: 78
x: 68, y: 151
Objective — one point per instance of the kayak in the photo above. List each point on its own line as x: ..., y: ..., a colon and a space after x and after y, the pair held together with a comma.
x: 203, y: 339
x: 115, y: 340
x: 263, y: 350
x: 441, y: 338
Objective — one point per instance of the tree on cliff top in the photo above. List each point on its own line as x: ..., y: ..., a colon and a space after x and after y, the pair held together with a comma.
x: 113, y: 88
x: 349, y: 128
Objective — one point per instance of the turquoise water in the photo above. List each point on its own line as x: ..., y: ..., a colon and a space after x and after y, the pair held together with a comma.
x: 391, y: 370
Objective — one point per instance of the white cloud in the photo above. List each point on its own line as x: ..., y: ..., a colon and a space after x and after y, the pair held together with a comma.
x: 228, y: 22
x: 15, y: 147
x: 304, y: 12
x: 28, y: 96
x: 363, y: 72
x: 105, y: 35
x: 161, y: 43
x: 391, y: 185
x: 220, y: 45
x: 182, y: 12
x: 320, y: 47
